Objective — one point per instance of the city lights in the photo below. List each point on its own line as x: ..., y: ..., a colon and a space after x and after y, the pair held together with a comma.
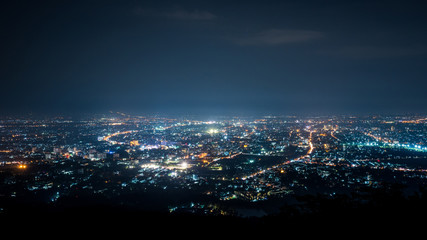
x: 184, y: 165
x: 213, y: 131
x: 22, y: 166
x: 283, y: 117
x: 260, y: 159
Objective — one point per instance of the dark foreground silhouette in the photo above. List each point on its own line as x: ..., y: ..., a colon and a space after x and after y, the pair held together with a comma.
x: 386, y: 208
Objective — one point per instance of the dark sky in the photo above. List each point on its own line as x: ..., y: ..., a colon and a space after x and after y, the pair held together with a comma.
x: 280, y: 57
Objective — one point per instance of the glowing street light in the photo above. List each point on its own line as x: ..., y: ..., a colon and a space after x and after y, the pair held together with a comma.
x: 213, y: 131
x: 184, y: 165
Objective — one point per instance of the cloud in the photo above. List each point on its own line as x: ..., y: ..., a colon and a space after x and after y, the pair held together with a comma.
x: 274, y: 37
x: 373, y: 52
x: 180, y: 14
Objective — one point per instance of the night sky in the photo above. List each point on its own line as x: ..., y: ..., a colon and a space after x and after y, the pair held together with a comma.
x: 214, y: 57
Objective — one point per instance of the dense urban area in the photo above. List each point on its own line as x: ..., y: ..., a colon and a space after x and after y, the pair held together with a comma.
x: 233, y: 166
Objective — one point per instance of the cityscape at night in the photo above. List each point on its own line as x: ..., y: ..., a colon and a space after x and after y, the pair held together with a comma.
x: 281, y: 116
x: 233, y: 166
